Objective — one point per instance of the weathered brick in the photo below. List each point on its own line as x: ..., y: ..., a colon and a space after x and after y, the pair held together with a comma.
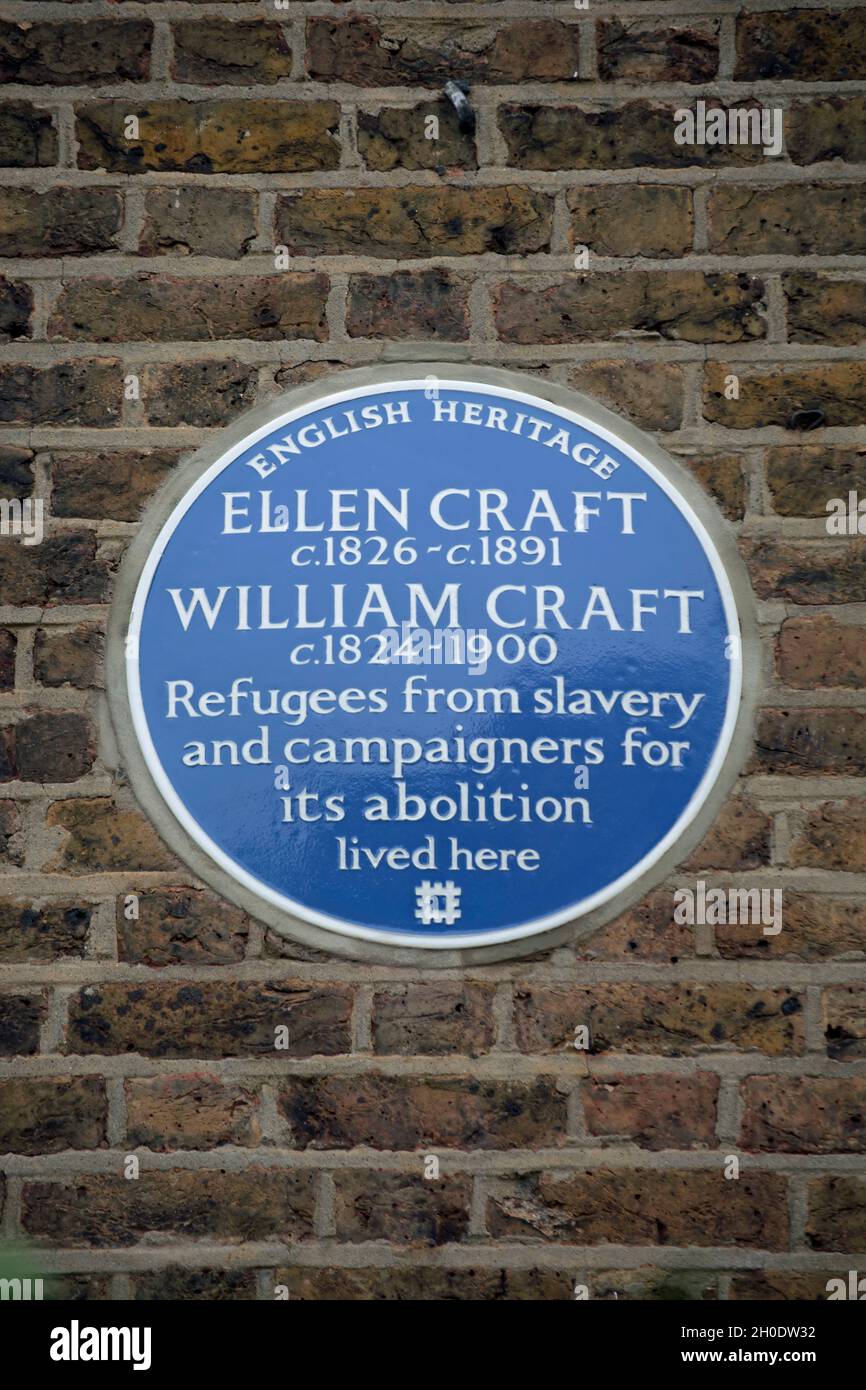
x: 181, y: 926
x: 8, y: 764
x: 830, y: 127
x: 649, y: 1207
x: 837, y: 1214
x: 393, y: 52
x: 162, y: 308
x: 434, y: 1019
x: 66, y: 393
x: 845, y: 1023
x: 807, y: 574
x: 649, y: 393
x: 79, y: 1288
x: 672, y: 1020
x: 394, y: 137
x: 313, y: 369
x: 218, y: 1019
x: 405, y: 1208
x: 102, y: 1209
x: 772, y: 395
x: 638, y: 134
x: 197, y: 393
x: 68, y: 656
x: 424, y: 1284
x: 43, y: 52
x: 804, y: 1114
x: 198, y: 221
x: 832, y: 836
x: 656, y: 1112
x: 223, y: 50
x: 16, y: 470
x: 173, y: 1283
x: 722, y: 476
x: 210, y: 137
x: 684, y: 306
x: 801, y: 479
x: 654, y: 1285
x: 59, y: 222
x: 107, y: 485
x: 50, y: 932
x: 421, y: 304
x: 16, y: 306
x: 811, y: 740
x: 43, y: 1115
x: 403, y: 1112
x: 11, y: 842
x: 787, y: 219
x: 21, y: 1016
x: 803, y: 45
x: 103, y: 837
x: 422, y: 221
x: 8, y: 645
x: 191, y: 1112
x: 779, y: 1285
x: 28, y: 139
x: 824, y: 310
x: 638, y: 51
x: 738, y: 839
x: 813, y: 928
x: 812, y: 653
x: 632, y: 220
x: 646, y: 931
x: 54, y: 746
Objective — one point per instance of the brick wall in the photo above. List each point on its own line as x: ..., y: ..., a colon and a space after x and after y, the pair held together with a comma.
x: 152, y: 256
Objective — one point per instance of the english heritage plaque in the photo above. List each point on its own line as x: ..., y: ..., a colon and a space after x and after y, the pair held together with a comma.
x: 437, y: 657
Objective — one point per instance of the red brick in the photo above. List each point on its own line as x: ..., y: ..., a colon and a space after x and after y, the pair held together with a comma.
x: 649, y: 1207
x: 808, y: 45
x: 837, y: 1215
x: 162, y: 308
x: 191, y: 1112
x: 804, y: 1114
x: 845, y: 1023
x: 738, y: 839
x: 391, y: 52
x: 20, y: 1018
x: 426, y: 304
x: 43, y: 52
x: 832, y: 836
x: 814, y: 653
x: 213, y: 1019
x: 811, y: 740
x: 59, y: 222
x: 404, y: 1208
x: 638, y: 51
x: 656, y: 1112
x: 400, y: 1112
x: 102, y: 1209
x: 210, y: 137
x: 113, y: 485
x: 224, y: 51
x: 181, y: 926
x: 434, y: 1019
x: 670, y: 1020
x: 41, y: 1115
x: 683, y: 305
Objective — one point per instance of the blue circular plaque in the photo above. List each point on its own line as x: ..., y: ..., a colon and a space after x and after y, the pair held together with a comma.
x: 433, y: 661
